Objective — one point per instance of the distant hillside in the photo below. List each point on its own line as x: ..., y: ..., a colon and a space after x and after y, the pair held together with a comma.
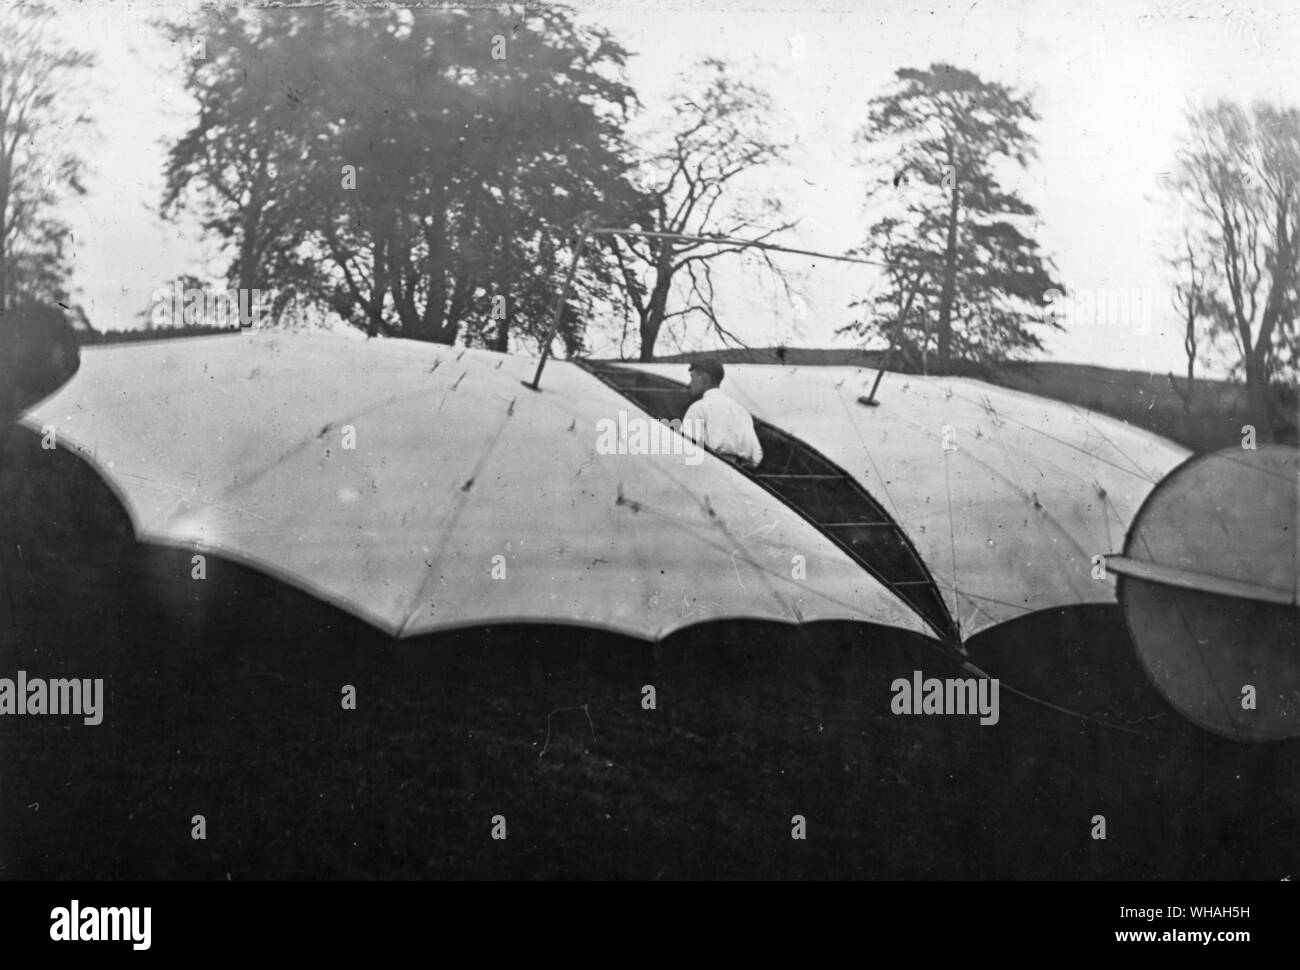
x: 1138, y: 397
x: 143, y: 336
x: 793, y: 356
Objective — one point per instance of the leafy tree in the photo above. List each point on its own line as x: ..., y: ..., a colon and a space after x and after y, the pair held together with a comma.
x: 961, y: 237
x: 240, y: 168
x: 420, y: 167
x: 39, y: 114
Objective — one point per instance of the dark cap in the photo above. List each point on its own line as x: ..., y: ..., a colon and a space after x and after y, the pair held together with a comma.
x: 710, y: 366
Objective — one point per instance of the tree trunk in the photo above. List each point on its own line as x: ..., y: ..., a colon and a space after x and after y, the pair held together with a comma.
x: 6, y: 188
x: 402, y: 301
x: 462, y: 286
x: 435, y: 231
x: 948, y: 292
x: 653, y: 319
x: 501, y: 339
x: 1257, y: 411
x: 401, y: 282
x: 652, y: 322
x: 378, y: 282
x: 246, y: 270
x: 4, y: 257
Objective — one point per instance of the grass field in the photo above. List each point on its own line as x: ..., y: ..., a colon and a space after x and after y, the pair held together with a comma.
x: 223, y: 700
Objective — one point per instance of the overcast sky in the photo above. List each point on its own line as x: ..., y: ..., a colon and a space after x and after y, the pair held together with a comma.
x: 1111, y: 80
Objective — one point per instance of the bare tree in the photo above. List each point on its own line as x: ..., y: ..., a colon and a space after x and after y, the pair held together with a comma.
x: 693, y: 186
x: 1239, y: 180
x: 1189, y: 301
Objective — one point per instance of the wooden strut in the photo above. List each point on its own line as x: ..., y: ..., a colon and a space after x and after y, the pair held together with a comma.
x: 731, y: 241
x: 587, y: 231
x: 858, y: 538
x: 870, y: 399
x: 1201, y: 582
x: 559, y: 303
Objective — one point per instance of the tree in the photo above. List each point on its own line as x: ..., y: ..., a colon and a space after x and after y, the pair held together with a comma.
x: 39, y: 116
x: 1189, y: 301
x: 960, y: 233
x: 1238, y: 181
x: 537, y: 145
x: 692, y: 185
x: 240, y: 166
x: 414, y: 168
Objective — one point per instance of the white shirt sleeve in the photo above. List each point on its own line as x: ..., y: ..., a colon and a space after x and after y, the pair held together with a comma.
x: 694, y: 424
x: 724, y: 426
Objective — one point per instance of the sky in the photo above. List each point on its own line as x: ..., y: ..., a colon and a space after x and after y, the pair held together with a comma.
x: 1111, y: 81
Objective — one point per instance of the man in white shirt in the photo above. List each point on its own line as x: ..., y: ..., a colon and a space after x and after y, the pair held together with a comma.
x: 717, y: 421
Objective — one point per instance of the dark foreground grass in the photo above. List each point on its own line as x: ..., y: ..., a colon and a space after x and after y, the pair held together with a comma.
x: 223, y: 699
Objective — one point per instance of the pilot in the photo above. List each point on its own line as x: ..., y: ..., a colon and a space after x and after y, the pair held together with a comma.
x: 716, y: 420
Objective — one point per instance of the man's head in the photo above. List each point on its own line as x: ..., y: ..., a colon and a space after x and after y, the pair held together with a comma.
x: 38, y: 354
x: 705, y: 374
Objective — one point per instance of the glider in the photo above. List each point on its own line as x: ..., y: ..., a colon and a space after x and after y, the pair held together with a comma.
x: 1012, y: 500
x: 423, y: 488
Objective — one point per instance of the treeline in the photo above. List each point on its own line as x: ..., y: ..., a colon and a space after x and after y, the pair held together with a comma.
x: 139, y: 336
x: 425, y: 172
